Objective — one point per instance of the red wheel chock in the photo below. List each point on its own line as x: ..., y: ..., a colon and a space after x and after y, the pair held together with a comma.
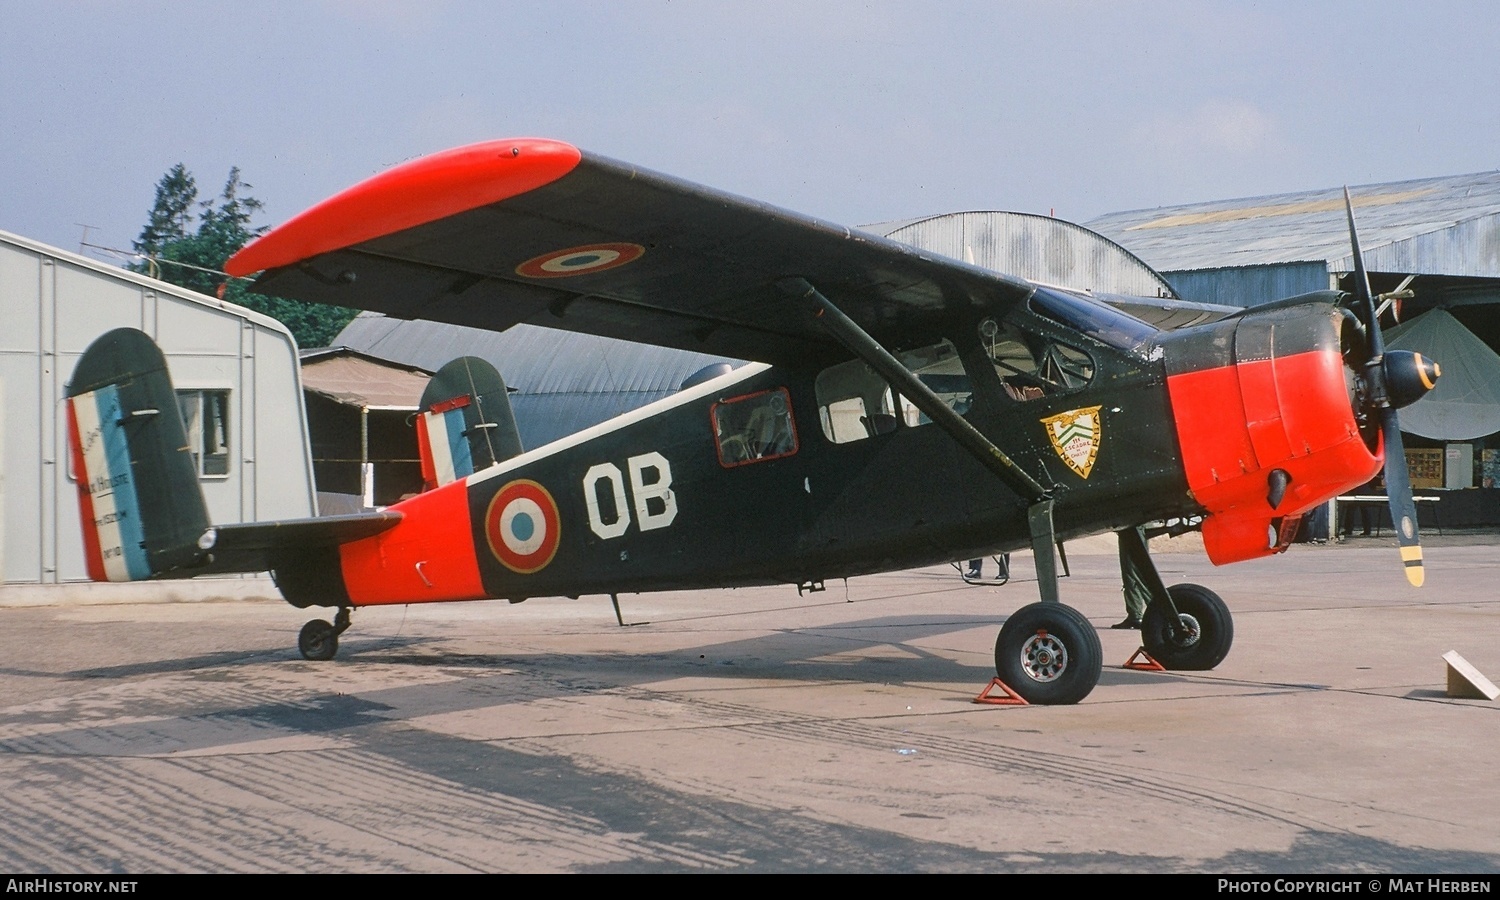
x: 1141, y: 661
x: 1011, y: 698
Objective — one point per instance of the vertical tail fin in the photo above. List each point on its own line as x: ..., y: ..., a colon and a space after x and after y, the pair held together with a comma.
x: 138, y: 496
x: 466, y: 423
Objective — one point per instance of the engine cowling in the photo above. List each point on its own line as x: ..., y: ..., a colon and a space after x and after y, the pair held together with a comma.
x: 1267, y: 407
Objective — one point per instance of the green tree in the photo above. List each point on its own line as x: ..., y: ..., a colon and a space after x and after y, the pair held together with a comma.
x: 186, y: 242
x: 171, y: 214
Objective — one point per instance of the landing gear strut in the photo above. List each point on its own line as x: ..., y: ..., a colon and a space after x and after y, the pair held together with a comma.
x: 1203, y: 634
x: 319, y: 640
x: 1047, y: 652
x: 1185, y: 626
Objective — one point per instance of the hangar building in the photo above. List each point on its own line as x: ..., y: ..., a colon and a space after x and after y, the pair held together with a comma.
x: 1439, y: 238
x: 238, y: 390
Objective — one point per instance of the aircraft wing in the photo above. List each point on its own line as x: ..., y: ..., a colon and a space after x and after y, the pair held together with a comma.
x: 503, y: 232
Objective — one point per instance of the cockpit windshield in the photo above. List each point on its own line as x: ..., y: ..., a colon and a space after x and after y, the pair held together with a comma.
x: 1099, y: 321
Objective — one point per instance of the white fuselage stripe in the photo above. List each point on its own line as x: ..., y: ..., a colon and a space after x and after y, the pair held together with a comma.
x: 625, y: 420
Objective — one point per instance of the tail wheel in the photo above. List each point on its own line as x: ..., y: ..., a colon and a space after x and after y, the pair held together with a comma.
x: 318, y: 640
x: 1049, y: 654
x: 1204, y: 634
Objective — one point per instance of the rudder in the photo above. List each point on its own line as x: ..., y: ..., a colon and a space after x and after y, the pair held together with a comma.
x: 141, y: 507
x: 466, y: 423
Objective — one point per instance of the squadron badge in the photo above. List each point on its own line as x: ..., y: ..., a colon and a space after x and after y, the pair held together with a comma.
x: 1075, y: 436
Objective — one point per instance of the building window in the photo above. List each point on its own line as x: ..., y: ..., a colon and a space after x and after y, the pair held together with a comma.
x: 205, y: 415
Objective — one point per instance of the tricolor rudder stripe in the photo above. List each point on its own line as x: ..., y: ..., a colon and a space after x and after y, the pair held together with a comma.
x: 143, y: 512
x: 443, y: 430
x: 111, y: 511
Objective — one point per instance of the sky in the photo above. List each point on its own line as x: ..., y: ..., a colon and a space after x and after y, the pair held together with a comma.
x: 853, y: 112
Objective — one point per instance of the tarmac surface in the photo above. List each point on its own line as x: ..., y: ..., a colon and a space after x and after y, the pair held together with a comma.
x: 756, y: 730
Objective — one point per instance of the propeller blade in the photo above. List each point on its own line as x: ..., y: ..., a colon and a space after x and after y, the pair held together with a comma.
x: 1398, y: 491
x: 1397, y: 479
x: 1362, y: 283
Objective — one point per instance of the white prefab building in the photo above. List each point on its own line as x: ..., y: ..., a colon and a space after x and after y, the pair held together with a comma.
x: 237, y: 380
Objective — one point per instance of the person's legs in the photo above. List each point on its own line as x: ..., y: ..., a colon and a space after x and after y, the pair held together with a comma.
x: 1137, y: 595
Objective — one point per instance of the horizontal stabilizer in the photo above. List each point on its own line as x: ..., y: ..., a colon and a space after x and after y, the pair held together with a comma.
x: 263, y: 546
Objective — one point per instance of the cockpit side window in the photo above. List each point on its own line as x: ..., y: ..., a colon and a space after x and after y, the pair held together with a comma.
x: 1031, y: 364
x: 855, y: 403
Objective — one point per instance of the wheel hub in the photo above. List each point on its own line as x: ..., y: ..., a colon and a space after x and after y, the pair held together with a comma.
x: 1188, y: 631
x: 1044, y: 657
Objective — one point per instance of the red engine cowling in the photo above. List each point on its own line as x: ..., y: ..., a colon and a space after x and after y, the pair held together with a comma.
x: 1273, y: 389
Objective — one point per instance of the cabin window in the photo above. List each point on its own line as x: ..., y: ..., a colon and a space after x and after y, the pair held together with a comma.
x: 854, y: 403
x: 939, y: 368
x: 205, y: 415
x: 754, y: 428
x: 1032, y: 365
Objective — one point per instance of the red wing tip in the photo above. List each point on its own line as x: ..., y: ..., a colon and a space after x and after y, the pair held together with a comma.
x: 412, y: 193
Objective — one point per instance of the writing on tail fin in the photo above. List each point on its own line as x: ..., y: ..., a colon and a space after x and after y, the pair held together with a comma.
x: 138, y: 496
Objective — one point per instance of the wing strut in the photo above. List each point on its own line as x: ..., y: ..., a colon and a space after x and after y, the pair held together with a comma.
x: 1039, y: 498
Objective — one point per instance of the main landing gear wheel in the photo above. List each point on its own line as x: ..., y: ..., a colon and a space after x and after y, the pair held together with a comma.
x: 1205, y: 632
x: 1049, y: 654
x: 319, y: 640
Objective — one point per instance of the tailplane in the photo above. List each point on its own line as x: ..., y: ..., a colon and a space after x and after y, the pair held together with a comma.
x: 143, y: 512
x: 466, y: 423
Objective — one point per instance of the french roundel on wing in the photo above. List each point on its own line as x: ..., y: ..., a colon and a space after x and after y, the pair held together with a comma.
x: 580, y: 260
x: 523, y: 526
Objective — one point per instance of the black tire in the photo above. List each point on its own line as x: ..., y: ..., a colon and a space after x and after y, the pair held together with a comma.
x: 1049, y: 654
x: 1210, y: 630
x: 318, y: 640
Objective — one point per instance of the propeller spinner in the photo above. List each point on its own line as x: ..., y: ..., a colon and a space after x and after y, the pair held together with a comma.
x: 1395, y: 379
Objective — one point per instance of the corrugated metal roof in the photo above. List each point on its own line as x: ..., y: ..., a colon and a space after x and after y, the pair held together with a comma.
x: 151, y: 284
x: 1448, y: 225
x: 350, y: 378
x: 1037, y: 248
x: 532, y: 360
x: 565, y: 382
